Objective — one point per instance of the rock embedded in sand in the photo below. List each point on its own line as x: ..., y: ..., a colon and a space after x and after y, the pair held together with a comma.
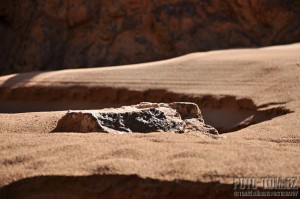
x: 145, y: 117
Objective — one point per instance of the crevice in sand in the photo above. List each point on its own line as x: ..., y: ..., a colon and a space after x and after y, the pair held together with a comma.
x: 106, y: 185
x: 225, y: 113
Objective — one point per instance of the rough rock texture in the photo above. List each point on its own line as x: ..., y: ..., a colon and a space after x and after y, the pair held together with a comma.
x: 56, y: 34
x: 145, y: 117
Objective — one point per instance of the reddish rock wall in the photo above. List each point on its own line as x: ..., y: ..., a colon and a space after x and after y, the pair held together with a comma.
x: 56, y: 34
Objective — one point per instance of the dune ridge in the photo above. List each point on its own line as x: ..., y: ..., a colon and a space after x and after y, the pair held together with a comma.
x: 258, y: 81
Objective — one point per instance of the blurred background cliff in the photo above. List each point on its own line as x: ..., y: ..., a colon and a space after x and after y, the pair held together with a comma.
x: 57, y: 34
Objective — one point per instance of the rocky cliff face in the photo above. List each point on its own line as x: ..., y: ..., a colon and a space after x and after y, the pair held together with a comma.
x: 57, y: 34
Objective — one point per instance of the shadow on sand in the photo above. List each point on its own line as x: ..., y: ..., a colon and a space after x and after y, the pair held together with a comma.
x: 19, y: 78
x: 112, y: 186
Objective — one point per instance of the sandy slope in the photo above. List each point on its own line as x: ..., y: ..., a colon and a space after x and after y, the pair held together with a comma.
x: 268, y: 76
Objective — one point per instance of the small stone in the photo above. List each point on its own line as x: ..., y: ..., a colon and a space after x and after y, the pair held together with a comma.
x: 146, y: 117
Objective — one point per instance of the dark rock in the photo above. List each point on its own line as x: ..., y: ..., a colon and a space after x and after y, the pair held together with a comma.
x: 146, y: 117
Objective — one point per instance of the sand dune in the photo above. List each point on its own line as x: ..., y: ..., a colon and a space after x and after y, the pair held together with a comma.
x: 252, y: 94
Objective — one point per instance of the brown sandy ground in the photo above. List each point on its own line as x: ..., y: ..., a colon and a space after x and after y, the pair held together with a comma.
x: 268, y: 77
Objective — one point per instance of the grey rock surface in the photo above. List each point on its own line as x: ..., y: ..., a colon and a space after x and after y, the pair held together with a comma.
x: 146, y: 117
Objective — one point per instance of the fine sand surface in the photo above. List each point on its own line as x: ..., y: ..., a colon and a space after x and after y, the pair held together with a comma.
x: 231, y: 86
